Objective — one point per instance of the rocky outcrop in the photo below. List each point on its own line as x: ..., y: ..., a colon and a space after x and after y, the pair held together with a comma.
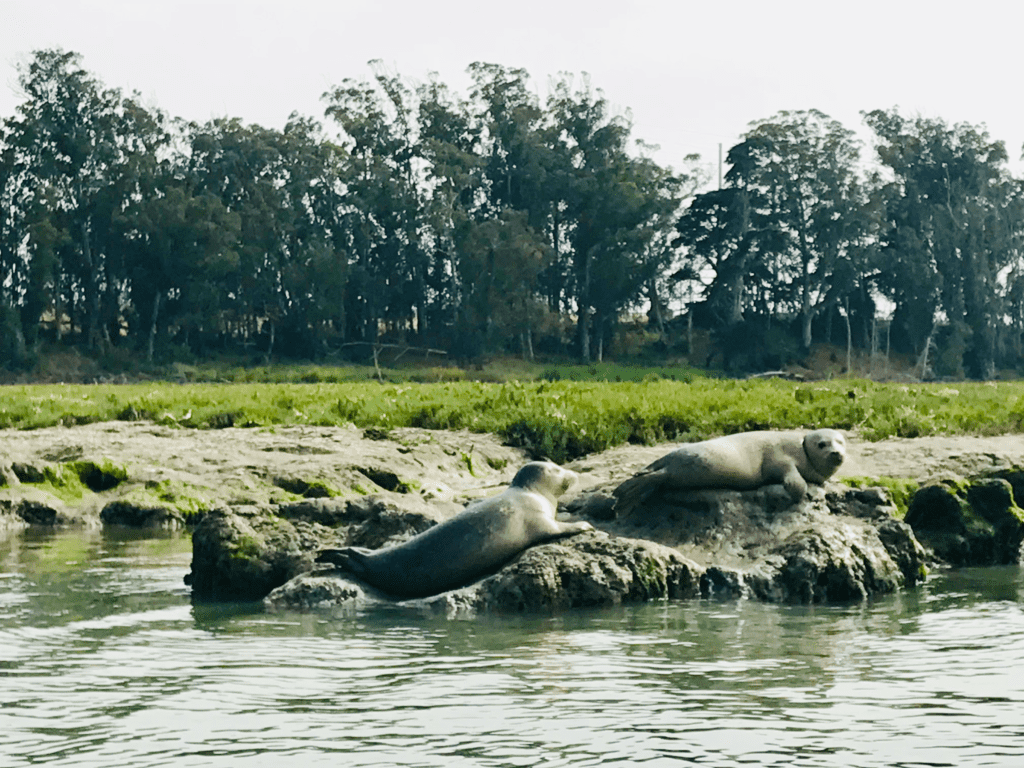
x: 712, y: 544
x: 976, y: 523
x: 262, y: 502
x: 834, y: 547
x: 243, y: 553
x: 587, y: 570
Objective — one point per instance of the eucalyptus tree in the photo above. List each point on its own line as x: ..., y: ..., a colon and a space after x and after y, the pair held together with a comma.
x: 511, y: 224
x: 512, y: 143
x: 242, y: 166
x: 317, y: 240
x: 713, y: 232
x: 13, y: 265
x: 276, y: 250
x: 808, y: 203
x: 500, y: 260
x: 75, y: 149
x: 387, y: 283
x: 953, y: 230
x: 182, y: 246
x: 450, y: 145
x: 614, y: 206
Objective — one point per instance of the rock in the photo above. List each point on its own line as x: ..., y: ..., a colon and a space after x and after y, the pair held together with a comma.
x: 836, y: 546
x: 28, y: 473
x: 590, y: 569
x: 7, y: 475
x: 843, y: 544
x: 368, y: 521
x: 975, y: 524
x: 243, y: 553
x: 36, y: 512
x: 317, y: 591
x: 123, y: 512
x: 91, y: 465
x: 839, y: 547
x: 9, y: 517
x: 837, y: 564
x: 993, y: 499
x: 41, y: 509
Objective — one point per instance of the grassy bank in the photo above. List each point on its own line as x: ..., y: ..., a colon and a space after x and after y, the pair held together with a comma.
x: 560, y: 419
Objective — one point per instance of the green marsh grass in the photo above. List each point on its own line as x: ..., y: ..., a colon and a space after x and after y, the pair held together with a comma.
x: 560, y: 419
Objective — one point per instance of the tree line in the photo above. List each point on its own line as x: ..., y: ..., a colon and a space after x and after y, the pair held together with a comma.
x: 492, y: 222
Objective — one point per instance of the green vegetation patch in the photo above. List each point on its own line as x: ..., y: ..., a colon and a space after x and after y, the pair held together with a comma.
x: 900, y: 490
x: 309, y: 489
x: 560, y: 419
x: 72, y: 481
x: 64, y: 482
x: 188, y: 500
x: 99, y: 476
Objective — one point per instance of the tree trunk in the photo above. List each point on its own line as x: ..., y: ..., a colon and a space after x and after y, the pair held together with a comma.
x: 586, y: 311
x: 526, y: 344
x: 924, y: 353
x: 657, y: 312
x: 153, y: 326
x: 849, y: 342
x: 58, y: 304
x: 584, y: 332
x: 92, y: 306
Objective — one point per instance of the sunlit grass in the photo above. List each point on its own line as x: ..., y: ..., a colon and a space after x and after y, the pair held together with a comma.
x: 561, y: 419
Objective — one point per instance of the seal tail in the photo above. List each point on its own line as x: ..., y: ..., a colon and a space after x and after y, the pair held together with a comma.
x: 635, y: 491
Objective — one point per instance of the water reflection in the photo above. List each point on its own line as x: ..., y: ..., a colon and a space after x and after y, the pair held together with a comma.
x: 104, y: 660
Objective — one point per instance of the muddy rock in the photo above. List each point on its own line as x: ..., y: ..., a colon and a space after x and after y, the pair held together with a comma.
x: 321, y: 590
x: 126, y: 513
x: 587, y: 570
x: 836, y: 547
x: 243, y: 553
x: 976, y: 523
x: 129, y: 471
x: 40, y: 509
x: 264, y: 501
x: 590, y: 569
x: 10, y: 517
x: 833, y: 546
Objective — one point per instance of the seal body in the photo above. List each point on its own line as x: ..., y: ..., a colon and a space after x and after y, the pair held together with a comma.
x: 477, y: 541
x: 742, y: 462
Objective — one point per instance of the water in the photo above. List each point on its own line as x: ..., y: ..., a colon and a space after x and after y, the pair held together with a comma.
x: 104, y: 662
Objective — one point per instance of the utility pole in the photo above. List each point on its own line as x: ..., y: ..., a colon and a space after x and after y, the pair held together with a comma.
x: 719, y: 165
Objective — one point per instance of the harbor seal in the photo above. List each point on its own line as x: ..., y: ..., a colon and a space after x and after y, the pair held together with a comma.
x: 477, y: 541
x: 743, y: 461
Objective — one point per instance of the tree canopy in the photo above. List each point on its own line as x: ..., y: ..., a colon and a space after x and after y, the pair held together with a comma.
x: 491, y: 222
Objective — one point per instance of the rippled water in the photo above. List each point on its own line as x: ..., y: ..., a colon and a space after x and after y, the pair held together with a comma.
x: 104, y: 662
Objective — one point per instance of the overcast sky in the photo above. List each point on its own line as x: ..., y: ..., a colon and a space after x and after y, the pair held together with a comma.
x: 692, y: 73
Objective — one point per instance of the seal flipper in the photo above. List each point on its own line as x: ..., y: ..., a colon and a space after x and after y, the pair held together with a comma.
x: 635, y: 491
x: 351, y: 559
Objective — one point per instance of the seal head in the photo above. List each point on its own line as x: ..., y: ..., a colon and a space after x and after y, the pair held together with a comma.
x: 825, y: 450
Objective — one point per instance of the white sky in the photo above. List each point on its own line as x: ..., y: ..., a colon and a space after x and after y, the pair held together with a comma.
x: 693, y: 73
